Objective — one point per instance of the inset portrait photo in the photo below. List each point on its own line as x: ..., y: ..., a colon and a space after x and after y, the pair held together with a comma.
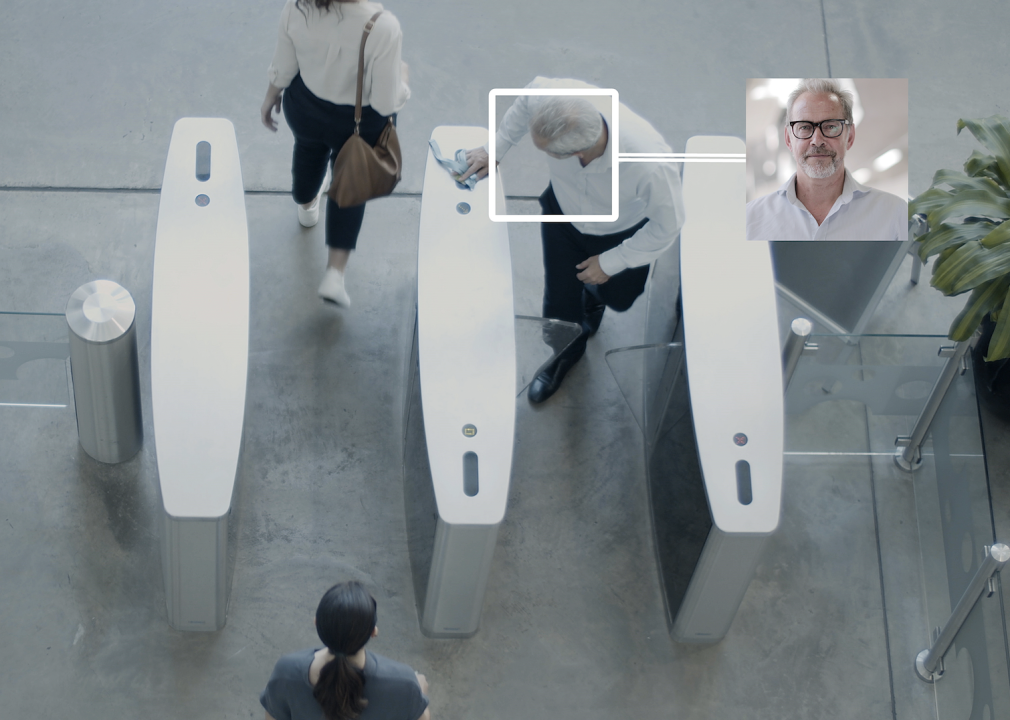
x: 827, y: 159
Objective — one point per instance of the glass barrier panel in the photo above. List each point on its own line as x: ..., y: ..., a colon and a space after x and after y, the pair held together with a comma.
x: 538, y: 342
x: 955, y: 524
x: 653, y: 382
x: 34, y: 360
x: 645, y: 375
x: 847, y: 403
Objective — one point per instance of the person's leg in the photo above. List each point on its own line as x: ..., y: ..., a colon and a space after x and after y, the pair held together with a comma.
x: 593, y: 308
x: 310, y: 156
x: 338, y: 258
x: 344, y: 224
x: 621, y: 290
x: 342, y: 227
x: 562, y: 251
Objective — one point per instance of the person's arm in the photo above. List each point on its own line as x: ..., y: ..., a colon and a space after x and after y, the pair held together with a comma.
x: 280, y: 73
x: 514, y: 126
x: 271, y: 104
x: 422, y: 682
x: 269, y: 716
x: 665, y: 209
x: 592, y: 273
x: 388, y: 92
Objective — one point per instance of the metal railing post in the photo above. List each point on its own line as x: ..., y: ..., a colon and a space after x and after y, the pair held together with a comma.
x: 929, y: 663
x: 906, y: 454
x: 796, y: 343
x: 917, y: 226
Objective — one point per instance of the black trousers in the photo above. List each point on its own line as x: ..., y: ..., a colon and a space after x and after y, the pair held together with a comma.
x: 565, y: 247
x: 321, y: 128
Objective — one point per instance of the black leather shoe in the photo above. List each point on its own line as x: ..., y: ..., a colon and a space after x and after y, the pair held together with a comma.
x: 592, y: 312
x: 547, y: 382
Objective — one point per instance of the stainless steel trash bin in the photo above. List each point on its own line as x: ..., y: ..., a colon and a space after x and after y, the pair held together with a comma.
x: 105, y: 370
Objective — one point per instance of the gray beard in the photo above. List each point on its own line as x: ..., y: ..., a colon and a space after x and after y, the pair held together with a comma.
x: 819, y: 171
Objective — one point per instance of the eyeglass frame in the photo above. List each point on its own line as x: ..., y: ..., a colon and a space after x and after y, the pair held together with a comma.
x: 817, y: 126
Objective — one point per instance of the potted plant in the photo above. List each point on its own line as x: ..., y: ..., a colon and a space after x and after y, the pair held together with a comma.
x: 968, y: 216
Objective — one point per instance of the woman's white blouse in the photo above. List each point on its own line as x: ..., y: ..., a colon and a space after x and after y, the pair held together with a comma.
x: 324, y: 47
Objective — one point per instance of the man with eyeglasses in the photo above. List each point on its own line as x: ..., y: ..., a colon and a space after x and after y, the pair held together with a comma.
x: 822, y: 201
x: 590, y: 266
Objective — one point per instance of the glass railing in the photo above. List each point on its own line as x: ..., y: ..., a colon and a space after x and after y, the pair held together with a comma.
x: 34, y: 360
x: 538, y: 341
x: 846, y: 405
x: 910, y: 539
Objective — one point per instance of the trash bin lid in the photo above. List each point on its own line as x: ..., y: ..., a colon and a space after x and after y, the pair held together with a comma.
x: 100, y: 311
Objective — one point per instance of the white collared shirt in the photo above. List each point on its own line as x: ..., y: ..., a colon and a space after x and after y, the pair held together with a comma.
x: 859, y: 213
x: 324, y: 46
x: 646, y: 190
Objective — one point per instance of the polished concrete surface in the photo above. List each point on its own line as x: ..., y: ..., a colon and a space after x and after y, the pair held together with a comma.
x: 574, y: 624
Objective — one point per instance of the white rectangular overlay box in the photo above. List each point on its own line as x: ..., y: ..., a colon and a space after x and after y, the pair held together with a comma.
x: 615, y: 209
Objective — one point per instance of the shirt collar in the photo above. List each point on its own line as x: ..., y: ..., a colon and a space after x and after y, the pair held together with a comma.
x: 605, y: 162
x: 850, y: 188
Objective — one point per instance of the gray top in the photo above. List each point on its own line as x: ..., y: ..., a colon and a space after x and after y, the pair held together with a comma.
x: 390, y: 688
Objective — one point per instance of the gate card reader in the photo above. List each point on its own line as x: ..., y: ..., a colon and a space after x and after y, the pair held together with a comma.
x: 460, y: 414
x: 199, y: 360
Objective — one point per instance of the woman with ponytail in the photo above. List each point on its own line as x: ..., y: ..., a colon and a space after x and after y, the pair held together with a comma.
x: 342, y: 680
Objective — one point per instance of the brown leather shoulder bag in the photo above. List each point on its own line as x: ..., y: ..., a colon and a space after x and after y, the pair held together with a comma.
x: 362, y: 172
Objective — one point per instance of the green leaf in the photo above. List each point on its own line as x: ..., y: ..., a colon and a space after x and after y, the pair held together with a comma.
x: 983, y: 299
x: 971, y: 265
x: 946, y: 236
x: 941, y: 261
x: 946, y: 276
x: 959, y: 181
x: 970, y: 202
x: 982, y: 165
x: 997, y: 236
x: 994, y: 134
x: 929, y: 200
x: 999, y: 344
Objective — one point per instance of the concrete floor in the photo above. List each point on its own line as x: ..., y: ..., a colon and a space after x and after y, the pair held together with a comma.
x: 573, y: 625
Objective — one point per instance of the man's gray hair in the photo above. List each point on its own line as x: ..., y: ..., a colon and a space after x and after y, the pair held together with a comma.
x: 567, y: 124
x: 821, y: 86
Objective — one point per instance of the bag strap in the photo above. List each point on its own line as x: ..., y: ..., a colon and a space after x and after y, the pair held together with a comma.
x: 361, y: 70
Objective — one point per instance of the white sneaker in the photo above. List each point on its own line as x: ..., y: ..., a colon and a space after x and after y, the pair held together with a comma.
x: 332, y: 288
x: 308, y: 218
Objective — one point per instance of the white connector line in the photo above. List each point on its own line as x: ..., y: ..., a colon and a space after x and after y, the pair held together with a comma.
x: 799, y: 453
x: 682, y: 157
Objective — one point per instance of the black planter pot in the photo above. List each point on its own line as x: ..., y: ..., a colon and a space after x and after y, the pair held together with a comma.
x: 992, y: 379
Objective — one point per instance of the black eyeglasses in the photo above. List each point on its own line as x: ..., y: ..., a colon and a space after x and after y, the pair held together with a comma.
x: 804, y: 130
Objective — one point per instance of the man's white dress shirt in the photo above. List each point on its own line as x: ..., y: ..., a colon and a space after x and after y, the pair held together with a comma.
x: 646, y: 190
x: 859, y: 213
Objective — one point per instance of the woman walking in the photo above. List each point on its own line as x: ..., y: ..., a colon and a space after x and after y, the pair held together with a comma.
x: 314, y: 76
x: 342, y: 680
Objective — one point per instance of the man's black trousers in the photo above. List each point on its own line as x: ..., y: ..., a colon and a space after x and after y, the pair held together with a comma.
x: 565, y: 247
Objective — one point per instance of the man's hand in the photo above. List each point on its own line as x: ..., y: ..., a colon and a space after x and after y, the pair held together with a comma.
x: 477, y: 160
x: 591, y: 273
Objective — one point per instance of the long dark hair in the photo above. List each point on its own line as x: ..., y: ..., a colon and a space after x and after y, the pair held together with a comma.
x: 323, y: 5
x: 345, y: 619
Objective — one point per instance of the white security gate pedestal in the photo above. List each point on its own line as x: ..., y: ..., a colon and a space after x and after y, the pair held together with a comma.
x: 460, y: 413
x: 199, y: 361
x: 733, y: 360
